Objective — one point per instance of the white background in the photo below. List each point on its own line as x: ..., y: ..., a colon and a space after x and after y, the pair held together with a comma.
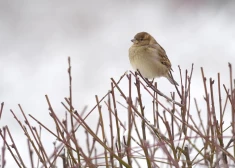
x: 36, y: 37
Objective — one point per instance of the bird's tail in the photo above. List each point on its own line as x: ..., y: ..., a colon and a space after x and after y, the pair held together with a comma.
x: 171, y: 79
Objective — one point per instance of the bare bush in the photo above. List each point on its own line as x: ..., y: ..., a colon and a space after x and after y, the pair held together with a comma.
x: 171, y: 137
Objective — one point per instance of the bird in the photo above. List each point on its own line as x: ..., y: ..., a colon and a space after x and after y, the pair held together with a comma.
x: 149, y: 58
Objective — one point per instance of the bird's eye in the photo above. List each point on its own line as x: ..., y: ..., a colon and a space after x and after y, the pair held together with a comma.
x: 141, y: 39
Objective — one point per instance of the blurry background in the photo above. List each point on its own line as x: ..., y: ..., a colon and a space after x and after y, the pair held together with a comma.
x: 36, y: 37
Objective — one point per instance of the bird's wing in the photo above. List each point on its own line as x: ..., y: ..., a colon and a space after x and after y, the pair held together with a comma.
x: 162, y: 54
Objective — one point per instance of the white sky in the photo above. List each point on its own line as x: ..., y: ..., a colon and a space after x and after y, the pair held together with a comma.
x: 37, y: 36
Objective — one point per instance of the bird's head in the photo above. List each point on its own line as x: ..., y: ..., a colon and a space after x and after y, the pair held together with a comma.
x: 143, y: 38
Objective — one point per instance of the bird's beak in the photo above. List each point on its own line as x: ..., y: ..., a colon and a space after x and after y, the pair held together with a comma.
x: 134, y: 41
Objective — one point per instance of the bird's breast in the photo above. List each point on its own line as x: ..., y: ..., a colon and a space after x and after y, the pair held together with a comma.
x: 146, y: 62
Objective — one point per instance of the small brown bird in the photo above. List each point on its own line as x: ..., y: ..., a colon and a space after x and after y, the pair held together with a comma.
x: 149, y: 57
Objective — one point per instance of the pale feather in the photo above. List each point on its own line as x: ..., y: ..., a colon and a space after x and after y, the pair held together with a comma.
x: 147, y: 61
